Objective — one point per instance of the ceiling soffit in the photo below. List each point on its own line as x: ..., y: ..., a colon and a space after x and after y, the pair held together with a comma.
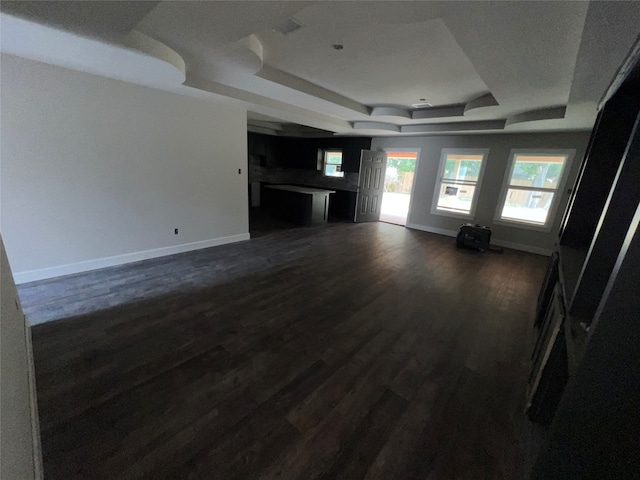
x: 144, y: 61
x: 406, y: 57
x: 552, y: 113
x: 392, y: 80
x: 483, y: 65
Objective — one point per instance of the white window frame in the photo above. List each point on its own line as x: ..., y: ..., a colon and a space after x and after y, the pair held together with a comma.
x: 325, y: 154
x: 558, y: 192
x: 436, y: 190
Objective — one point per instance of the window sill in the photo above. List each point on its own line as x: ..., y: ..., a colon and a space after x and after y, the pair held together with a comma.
x: 447, y: 213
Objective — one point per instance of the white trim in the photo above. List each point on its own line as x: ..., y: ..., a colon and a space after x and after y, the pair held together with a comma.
x: 523, y: 225
x: 477, y: 185
x: 325, y: 153
x: 439, y: 231
x: 499, y: 243
x: 570, y: 154
x: 453, y: 214
x: 522, y: 247
x: 413, y: 183
x: 36, y: 445
x: 43, y: 273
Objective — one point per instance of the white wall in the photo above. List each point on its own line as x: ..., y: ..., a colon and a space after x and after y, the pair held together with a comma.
x: 19, y: 438
x: 98, y: 172
x: 499, y: 146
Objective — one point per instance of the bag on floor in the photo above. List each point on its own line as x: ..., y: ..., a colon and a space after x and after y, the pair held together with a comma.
x: 474, y: 236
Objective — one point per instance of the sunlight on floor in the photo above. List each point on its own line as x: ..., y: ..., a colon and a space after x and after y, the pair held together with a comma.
x: 395, y: 207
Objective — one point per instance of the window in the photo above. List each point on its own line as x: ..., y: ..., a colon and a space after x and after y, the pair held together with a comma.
x: 531, y: 189
x: 333, y: 163
x: 458, y: 184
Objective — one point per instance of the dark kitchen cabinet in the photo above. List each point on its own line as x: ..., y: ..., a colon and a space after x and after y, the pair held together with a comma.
x: 264, y: 147
x: 302, y: 153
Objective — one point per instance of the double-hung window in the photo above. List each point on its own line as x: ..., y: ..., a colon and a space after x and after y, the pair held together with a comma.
x: 458, y: 184
x: 332, y: 165
x: 532, y: 187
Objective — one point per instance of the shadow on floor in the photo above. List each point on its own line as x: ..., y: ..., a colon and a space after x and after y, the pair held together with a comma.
x: 262, y: 223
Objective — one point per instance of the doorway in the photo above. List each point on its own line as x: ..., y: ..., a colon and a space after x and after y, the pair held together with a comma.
x: 398, y: 185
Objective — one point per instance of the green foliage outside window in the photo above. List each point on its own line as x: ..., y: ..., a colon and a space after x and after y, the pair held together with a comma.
x: 471, y: 168
x: 531, y: 170
x: 449, y: 168
x: 403, y: 165
x: 334, y: 158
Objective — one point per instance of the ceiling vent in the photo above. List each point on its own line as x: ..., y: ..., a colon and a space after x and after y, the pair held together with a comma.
x: 290, y: 25
x: 421, y: 105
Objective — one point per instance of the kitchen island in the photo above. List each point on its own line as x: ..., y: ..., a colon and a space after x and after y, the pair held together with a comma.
x: 302, y: 205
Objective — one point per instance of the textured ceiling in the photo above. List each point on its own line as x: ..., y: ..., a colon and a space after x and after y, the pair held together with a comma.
x: 484, y: 66
x: 382, y: 64
x: 108, y: 19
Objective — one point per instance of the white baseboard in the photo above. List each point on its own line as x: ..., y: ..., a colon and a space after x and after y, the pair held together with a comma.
x: 500, y: 243
x: 439, y: 231
x: 51, y: 272
x: 522, y: 247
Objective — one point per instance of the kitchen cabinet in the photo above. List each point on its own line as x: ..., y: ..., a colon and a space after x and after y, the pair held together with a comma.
x: 302, y: 205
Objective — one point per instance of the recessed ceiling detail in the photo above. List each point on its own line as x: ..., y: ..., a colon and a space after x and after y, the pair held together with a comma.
x: 390, y: 112
x: 265, y: 105
x: 483, y: 101
x: 382, y: 63
x: 144, y: 61
x: 454, y: 127
x: 431, y: 127
x: 145, y: 44
x: 253, y: 45
x: 438, y: 112
x: 553, y: 113
x: 523, y: 62
x: 389, y: 127
x: 443, y: 111
x: 304, y: 86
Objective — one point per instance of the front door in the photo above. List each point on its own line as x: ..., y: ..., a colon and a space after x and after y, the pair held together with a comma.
x: 373, y: 165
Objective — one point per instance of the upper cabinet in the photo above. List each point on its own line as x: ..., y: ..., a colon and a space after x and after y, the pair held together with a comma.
x: 264, y: 147
x: 302, y: 153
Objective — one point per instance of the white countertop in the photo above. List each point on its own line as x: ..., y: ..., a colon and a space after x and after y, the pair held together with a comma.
x: 305, y: 190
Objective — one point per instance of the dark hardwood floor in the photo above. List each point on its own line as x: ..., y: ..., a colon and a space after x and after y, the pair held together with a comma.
x: 346, y: 351
x: 262, y: 222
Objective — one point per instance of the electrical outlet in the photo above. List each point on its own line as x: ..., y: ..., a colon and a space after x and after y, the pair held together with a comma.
x: 175, y: 231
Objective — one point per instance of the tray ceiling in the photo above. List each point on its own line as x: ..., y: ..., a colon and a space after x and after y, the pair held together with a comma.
x: 483, y: 66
